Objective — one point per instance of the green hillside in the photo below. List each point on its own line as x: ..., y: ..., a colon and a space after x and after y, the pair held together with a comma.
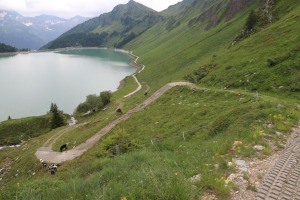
x: 116, y: 28
x: 7, y: 48
x: 242, y: 56
x: 190, y: 48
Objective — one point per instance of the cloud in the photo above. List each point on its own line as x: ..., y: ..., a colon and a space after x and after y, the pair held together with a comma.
x: 70, y: 8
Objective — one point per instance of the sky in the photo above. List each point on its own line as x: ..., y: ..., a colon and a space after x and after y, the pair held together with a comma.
x: 71, y: 8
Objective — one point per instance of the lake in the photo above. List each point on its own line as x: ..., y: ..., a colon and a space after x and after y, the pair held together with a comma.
x: 30, y: 82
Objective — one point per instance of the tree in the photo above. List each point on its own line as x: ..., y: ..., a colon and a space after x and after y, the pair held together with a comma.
x: 57, y: 119
x: 51, y: 108
x: 9, y: 118
x: 251, y: 20
x: 105, y: 96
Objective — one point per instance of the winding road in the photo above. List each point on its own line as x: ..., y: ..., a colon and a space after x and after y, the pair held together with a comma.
x: 47, y: 154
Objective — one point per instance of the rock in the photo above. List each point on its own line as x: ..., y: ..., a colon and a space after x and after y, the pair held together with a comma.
x: 270, y: 125
x: 241, y: 164
x: 258, y: 147
x: 217, y: 166
x: 280, y: 106
x: 195, y: 178
x: 156, y: 123
x: 2, y: 170
x: 230, y: 178
x: 278, y: 133
x: 235, y: 144
x: 280, y: 87
x: 229, y: 164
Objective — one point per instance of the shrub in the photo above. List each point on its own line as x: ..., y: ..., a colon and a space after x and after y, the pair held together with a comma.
x: 251, y: 20
x: 105, y: 97
x: 271, y: 62
x: 119, y: 143
x: 95, y: 102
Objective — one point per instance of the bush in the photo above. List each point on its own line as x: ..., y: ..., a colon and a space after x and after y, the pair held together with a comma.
x: 105, y: 97
x: 119, y: 143
x: 95, y: 102
x: 271, y: 62
x: 251, y: 20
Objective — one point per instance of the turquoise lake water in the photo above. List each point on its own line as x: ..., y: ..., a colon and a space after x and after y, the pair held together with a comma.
x: 30, y: 82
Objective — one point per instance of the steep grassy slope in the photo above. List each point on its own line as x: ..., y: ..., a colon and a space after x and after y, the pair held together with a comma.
x: 161, y: 170
x: 169, y: 55
x: 15, y: 130
x: 172, y: 55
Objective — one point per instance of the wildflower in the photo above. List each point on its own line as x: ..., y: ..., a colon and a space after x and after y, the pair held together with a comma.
x: 213, y: 157
x: 246, y: 147
x: 239, y: 148
x: 260, y: 133
x: 217, y: 154
x: 18, y: 184
x: 254, y: 136
x: 124, y: 198
x: 275, y: 116
x: 239, y: 151
x: 222, y: 156
x: 176, y: 174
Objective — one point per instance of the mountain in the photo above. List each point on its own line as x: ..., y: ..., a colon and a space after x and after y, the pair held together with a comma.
x: 116, y: 28
x: 176, y: 41
x: 33, y: 32
x: 209, y: 42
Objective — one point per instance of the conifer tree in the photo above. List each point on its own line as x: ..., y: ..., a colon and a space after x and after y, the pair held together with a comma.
x: 251, y: 20
x: 57, y: 120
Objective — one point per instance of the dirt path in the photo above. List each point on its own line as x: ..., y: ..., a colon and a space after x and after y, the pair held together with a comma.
x: 137, y: 89
x: 47, y: 154
x: 137, y: 81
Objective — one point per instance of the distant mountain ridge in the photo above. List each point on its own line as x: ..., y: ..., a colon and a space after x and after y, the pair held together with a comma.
x: 128, y: 21
x: 33, y: 32
x: 124, y: 23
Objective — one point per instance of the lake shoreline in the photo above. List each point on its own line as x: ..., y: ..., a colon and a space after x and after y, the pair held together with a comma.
x: 122, y: 81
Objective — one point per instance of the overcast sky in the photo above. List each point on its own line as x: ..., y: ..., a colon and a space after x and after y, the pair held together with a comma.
x: 70, y: 8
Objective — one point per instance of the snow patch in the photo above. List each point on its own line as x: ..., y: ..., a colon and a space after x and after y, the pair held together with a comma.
x: 28, y: 24
x: 2, y: 15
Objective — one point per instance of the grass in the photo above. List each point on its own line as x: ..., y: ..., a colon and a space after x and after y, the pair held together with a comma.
x: 129, y: 86
x: 16, y: 130
x: 161, y: 170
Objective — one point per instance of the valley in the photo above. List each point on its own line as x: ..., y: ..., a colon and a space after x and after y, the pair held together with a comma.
x: 217, y: 108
